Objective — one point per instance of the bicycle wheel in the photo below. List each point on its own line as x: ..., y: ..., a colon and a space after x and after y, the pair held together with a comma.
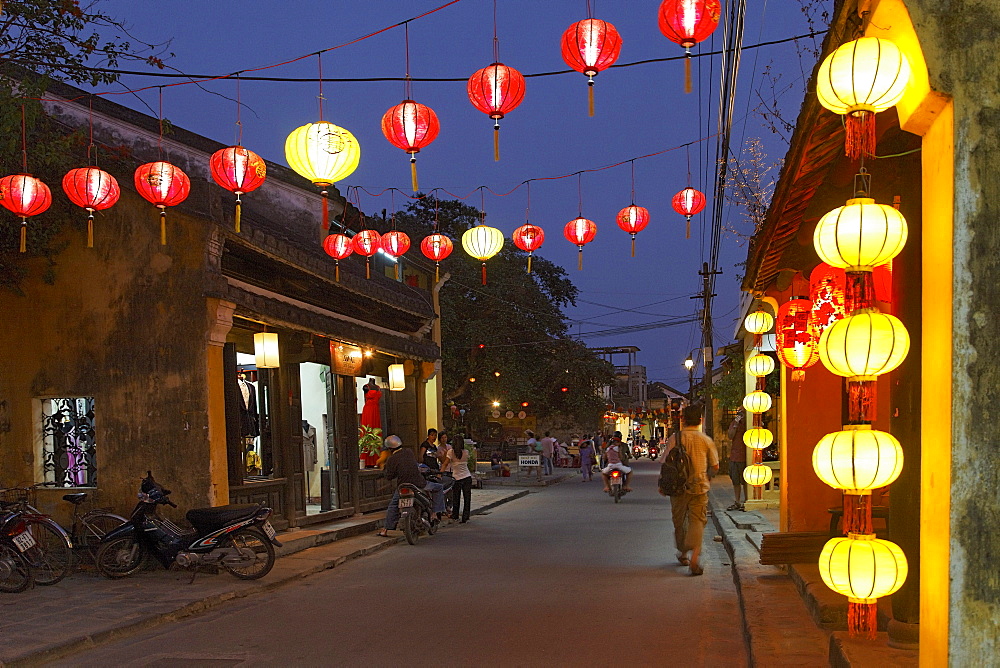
x: 95, y: 527
x: 55, y: 555
x: 15, y: 576
x: 120, y: 557
x: 250, y: 542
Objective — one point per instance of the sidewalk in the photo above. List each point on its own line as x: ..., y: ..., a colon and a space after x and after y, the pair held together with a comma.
x: 85, y: 609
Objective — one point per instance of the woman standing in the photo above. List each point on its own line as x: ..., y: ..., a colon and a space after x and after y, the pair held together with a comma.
x: 457, y: 460
x: 586, y: 459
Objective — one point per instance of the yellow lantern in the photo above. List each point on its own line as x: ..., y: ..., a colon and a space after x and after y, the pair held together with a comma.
x: 757, y: 402
x: 864, y: 345
x: 758, y: 322
x: 324, y: 153
x: 265, y: 348
x: 757, y: 475
x: 858, y: 459
x: 397, y: 378
x: 482, y: 243
x: 859, y: 79
x: 760, y: 365
x: 758, y: 438
x: 862, y: 568
x: 860, y: 235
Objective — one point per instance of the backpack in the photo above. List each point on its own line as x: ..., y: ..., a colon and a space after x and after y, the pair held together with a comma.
x: 675, y: 470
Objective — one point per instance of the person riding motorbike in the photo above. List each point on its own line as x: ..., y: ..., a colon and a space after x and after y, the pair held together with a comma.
x: 616, y: 454
x: 401, y: 467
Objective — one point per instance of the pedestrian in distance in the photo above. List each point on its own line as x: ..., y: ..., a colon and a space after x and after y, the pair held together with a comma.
x: 444, y: 444
x: 534, y: 448
x: 457, y: 461
x: 738, y: 459
x: 689, y: 509
x: 587, y: 458
x: 548, y: 449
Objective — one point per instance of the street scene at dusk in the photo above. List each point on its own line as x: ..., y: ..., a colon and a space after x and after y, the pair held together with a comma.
x: 498, y: 332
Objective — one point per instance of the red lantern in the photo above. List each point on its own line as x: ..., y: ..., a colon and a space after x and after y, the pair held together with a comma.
x: 411, y: 126
x: 580, y: 231
x: 163, y: 185
x: 528, y: 238
x: 395, y: 243
x: 436, y: 247
x: 496, y: 90
x: 882, y: 277
x: 796, y: 338
x: 94, y: 190
x: 367, y: 243
x: 687, y: 22
x: 590, y: 46
x: 689, y: 202
x: 633, y: 219
x: 338, y: 246
x: 239, y: 171
x: 26, y: 196
x: 827, y: 286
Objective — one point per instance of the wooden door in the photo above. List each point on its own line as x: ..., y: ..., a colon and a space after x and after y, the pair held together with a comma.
x: 346, y: 427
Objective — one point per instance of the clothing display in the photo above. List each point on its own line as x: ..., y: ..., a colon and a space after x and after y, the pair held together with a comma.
x: 249, y: 419
x: 309, y: 451
x: 371, y: 423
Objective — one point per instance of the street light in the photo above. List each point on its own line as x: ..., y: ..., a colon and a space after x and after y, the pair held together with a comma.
x: 689, y: 365
x: 496, y: 404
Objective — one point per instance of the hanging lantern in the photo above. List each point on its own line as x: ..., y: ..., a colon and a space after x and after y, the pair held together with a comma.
x: 367, y: 243
x: 338, y: 246
x: 826, y: 292
x: 864, y: 345
x: 882, y: 277
x: 591, y: 46
x: 25, y: 196
x: 528, y: 238
x: 239, y: 171
x: 324, y: 153
x: 163, y: 185
x: 94, y: 190
x: 758, y: 438
x: 858, y: 459
x: 265, y: 348
x: 760, y: 365
x: 757, y: 475
x: 496, y: 90
x: 858, y: 80
x: 687, y: 22
x: 395, y: 244
x: 860, y: 235
x: 436, y: 247
x: 862, y: 568
x: 580, y: 231
x: 397, y: 378
x: 411, y: 126
x: 758, y: 322
x: 633, y: 219
x: 689, y: 202
x: 482, y: 243
x: 797, y: 343
x: 757, y: 402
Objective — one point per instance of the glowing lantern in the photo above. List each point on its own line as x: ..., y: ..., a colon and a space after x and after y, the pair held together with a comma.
x: 239, y: 171
x: 397, y: 378
x: 367, y: 243
x: 633, y: 219
x: 590, y: 46
x: 689, y: 202
x: 882, y: 276
x: 436, y: 247
x: 163, y: 185
x: 757, y: 402
x: 580, y: 231
x: 758, y: 438
x: 757, y: 475
x: 858, y: 459
x: 411, y: 126
x: 863, y: 346
x: 795, y: 337
x: 324, y: 153
x: 860, y: 235
x: 265, y: 348
x: 528, y: 238
x: 758, y: 322
x: 25, y: 196
x: 687, y: 22
x: 496, y: 90
x: 395, y: 244
x: 858, y: 80
x: 338, y: 246
x: 826, y: 292
x: 760, y: 365
x: 94, y: 190
x: 482, y: 243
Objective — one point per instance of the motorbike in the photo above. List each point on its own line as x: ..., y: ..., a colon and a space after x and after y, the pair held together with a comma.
x: 416, y: 513
x: 654, y: 452
x: 447, y: 482
x: 238, y: 538
x: 617, y: 485
x: 18, y: 551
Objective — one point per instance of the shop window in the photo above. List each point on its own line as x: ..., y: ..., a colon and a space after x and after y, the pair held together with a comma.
x: 68, y: 447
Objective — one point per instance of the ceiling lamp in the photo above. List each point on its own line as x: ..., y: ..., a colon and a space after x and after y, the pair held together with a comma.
x: 94, y: 190
x: 239, y: 171
x: 496, y: 90
x: 796, y: 339
x: 163, y: 185
x: 858, y: 80
x: 436, y: 247
x: 858, y: 459
x: 580, y: 231
x: 411, y: 126
x: 324, y: 153
x: 482, y: 242
x: 367, y: 243
x: 687, y: 22
x: 688, y: 202
x: 338, y: 246
x: 528, y: 238
x: 590, y: 46
x: 25, y: 196
x: 633, y: 219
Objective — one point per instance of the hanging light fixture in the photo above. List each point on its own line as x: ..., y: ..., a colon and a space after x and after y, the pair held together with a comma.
x: 633, y: 219
x: 758, y: 322
x: 757, y: 401
x: 436, y: 247
x: 162, y: 184
x: 826, y: 292
x: 25, y: 196
x: 238, y: 170
x: 338, y: 246
x: 528, y: 238
x: 760, y: 365
x: 757, y: 475
x: 796, y: 339
x: 366, y: 243
x: 689, y: 202
x: 92, y: 189
x: 687, y: 22
x: 482, y: 242
x: 591, y: 46
x: 395, y: 244
x: 860, y: 235
x: 864, y: 345
x: 497, y: 89
x: 265, y: 348
x: 858, y: 459
x: 397, y: 378
x: 580, y: 232
x: 758, y: 438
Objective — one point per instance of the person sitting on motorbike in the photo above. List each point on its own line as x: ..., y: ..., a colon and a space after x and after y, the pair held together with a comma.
x: 402, y: 467
x: 614, y: 452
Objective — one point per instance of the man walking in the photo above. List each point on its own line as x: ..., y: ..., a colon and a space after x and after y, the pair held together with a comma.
x: 548, y: 448
x: 690, y: 509
x: 738, y: 459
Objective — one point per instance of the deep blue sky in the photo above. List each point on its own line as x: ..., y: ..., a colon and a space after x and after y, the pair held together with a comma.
x: 640, y: 110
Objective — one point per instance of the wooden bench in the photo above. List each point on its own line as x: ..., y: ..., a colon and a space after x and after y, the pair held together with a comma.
x: 789, y: 547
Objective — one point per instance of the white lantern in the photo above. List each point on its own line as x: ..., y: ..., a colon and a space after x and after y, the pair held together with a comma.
x: 397, y: 379
x: 265, y: 348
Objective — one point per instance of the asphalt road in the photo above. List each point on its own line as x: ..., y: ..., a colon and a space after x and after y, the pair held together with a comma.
x: 563, y: 576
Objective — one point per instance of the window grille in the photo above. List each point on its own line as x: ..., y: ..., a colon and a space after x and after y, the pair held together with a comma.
x: 68, y: 447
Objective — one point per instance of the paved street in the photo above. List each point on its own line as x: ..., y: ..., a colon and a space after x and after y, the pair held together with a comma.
x: 563, y: 576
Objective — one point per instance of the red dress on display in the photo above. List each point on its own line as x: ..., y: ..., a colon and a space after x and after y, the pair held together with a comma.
x: 370, y: 431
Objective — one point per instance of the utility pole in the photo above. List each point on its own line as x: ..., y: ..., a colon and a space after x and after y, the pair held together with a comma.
x: 708, y: 347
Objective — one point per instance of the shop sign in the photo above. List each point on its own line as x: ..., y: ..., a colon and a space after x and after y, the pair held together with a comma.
x: 524, y: 461
x: 346, y: 360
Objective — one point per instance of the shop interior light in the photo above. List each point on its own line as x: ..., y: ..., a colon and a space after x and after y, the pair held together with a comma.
x: 265, y: 348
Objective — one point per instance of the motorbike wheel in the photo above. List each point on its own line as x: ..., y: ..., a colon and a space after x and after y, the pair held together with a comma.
x: 55, y: 557
x: 432, y: 525
x: 253, y: 540
x: 15, y: 575
x: 618, y: 493
x: 409, y: 528
x: 120, y: 558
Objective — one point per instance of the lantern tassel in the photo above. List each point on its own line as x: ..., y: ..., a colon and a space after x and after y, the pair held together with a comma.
x: 368, y: 268
x: 90, y: 229
x: 336, y: 271
x: 24, y: 235
x: 590, y: 97
x: 326, y: 209
x: 496, y: 142
x: 413, y: 174
x: 687, y: 233
x: 437, y: 272
x: 859, y: 135
x: 239, y: 211
x: 529, y: 263
x: 633, y: 245
x: 687, y: 71
x: 579, y: 260
x: 163, y: 226
x: 395, y: 269
x: 484, y: 273
x: 862, y: 619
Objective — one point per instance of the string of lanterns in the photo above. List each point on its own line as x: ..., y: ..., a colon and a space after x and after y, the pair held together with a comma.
x: 758, y: 402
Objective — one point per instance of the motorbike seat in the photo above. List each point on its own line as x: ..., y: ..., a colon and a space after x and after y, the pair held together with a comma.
x: 210, y: 519
x: 76, y: 499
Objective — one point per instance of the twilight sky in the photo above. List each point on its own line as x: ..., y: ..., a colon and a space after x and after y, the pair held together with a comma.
x: 640, y: 110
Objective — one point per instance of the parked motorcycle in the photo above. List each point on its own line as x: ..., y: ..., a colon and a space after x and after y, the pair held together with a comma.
x: 236, y: 537
x: 447, y: 482
x: 18, y: 549
x: 416, y: 513
x: 617, y: 485
x: 654, y: 452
